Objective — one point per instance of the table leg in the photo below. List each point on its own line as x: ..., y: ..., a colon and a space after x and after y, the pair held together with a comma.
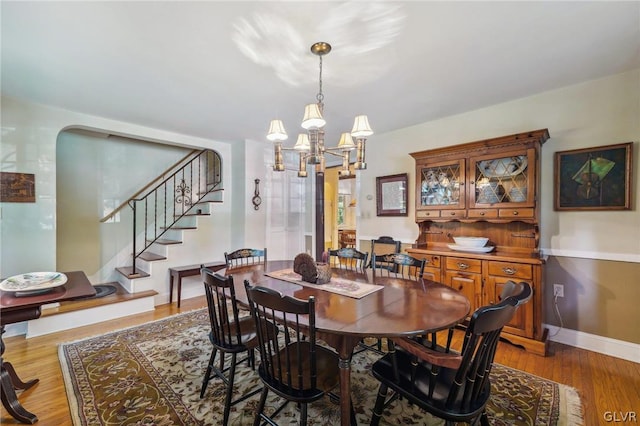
x: 15, y: 380
x: 345, y: 391
x: 344, y: 345
x: 10, y: 400
x: 179, y: 295
x: 9, y: 381
x: 171, y: 288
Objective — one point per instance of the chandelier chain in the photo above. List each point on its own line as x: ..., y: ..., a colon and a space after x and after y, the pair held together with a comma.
x: 320, y: 96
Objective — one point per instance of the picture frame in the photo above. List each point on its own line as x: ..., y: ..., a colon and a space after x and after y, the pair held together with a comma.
x: 17, y: 187
x: 391, y: 195
x: 597, y: 178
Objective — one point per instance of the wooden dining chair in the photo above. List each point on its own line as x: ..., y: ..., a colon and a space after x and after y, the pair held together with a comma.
x: 452, y: 386
x: 348, y: 258
x: 398, y: 265
x: 383, y: 245
x: 246, y: 257
x: 230, y: 334
x: 293, y: 366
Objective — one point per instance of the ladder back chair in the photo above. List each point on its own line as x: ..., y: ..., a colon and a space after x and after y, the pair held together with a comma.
x: 383, y: 245
x: 348, y: 258
x: 292, y: 366
x: 246, y: 257
x: 230, y: 334
x: 398, y: 265
x: 454, y: 387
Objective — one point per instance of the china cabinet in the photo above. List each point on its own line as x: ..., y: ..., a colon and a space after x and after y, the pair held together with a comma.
x: 488, y: 188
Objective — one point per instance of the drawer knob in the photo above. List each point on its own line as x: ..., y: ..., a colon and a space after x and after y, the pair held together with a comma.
x: 509, y: 271
x: 515, y: 213
x: 463, y: 265
x: 453, y: 213
x: 481, y: 213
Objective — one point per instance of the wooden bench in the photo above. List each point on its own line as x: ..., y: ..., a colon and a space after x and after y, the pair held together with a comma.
x: 179, y: 272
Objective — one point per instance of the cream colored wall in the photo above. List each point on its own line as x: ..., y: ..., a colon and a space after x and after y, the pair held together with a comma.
x: 594, y: 113
x: 95, y: 173
x: 29, y: 137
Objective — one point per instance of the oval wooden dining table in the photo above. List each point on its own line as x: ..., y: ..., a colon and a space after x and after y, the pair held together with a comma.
x: 400, y: 308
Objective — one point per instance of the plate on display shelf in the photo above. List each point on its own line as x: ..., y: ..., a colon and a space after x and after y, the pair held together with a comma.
x: 485, y: 249
x: 33, y: 282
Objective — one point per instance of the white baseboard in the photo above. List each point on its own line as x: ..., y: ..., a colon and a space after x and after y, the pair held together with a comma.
x: 69, y: 320
x: 604, y: 345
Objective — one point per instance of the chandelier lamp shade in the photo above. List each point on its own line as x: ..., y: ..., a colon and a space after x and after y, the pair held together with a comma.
x: 310, y: 145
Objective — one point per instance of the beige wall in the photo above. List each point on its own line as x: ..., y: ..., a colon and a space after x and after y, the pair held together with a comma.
x: 600, y: 297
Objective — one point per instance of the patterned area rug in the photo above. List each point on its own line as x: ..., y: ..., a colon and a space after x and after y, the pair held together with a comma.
x: 152, y: 373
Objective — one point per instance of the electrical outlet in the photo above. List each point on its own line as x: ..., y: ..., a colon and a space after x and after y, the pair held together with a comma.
x: 558, y: 290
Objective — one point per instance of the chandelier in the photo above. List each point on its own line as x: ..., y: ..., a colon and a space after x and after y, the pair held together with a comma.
x: 310, y: 145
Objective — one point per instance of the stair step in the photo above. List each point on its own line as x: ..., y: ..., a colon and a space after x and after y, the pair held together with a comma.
x: 210, y: 192
x: 164, y: 241
x: 121, y: 295
x: 179, y: 227
x: 128, y: 272
x: 194, y: 214
x: 150, y: 257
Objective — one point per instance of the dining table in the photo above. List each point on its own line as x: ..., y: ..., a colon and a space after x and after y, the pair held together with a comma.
x: 393, y: 307
x: 16, y: 307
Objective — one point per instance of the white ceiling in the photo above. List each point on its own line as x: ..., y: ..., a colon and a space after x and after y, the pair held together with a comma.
x: 223, y: 70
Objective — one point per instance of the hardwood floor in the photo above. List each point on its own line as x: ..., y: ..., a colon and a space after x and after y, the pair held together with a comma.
x: 605, y: 384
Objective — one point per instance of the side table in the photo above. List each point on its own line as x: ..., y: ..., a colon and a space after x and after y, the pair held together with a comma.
x: 17, y: 309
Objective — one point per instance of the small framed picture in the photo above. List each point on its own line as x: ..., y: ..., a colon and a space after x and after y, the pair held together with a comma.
x: 593, y: 178
x: 17, y: 187
x: 391, y: 195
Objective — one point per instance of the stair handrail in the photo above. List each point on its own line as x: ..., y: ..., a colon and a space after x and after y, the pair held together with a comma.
x: 148, y: 185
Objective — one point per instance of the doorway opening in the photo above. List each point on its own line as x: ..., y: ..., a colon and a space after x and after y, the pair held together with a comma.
x: 339, y: 210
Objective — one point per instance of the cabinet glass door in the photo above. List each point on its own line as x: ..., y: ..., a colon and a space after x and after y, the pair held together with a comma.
x: 506, y: 179
x: 442, y: 185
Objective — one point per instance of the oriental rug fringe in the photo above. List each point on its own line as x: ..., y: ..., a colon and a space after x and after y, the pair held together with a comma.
x: 151, y: 375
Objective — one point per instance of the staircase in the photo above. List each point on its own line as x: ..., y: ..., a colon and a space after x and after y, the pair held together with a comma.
x: 163, y: 211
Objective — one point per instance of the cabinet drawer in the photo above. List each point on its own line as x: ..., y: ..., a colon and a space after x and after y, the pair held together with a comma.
x: 509, y: 269
x: 432, y: 274
x: 515, y: 213
x: 483, y: 213
x: 453, y: 213
x: 464, y: 265
x: 431, y: 261
x: 421, y: 214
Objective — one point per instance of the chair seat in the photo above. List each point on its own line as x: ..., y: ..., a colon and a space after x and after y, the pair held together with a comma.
x: 414, y: 385
x: 327, y: 372
x: 248, y: 336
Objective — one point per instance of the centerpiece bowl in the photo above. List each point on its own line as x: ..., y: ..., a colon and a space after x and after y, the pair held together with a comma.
x: 471, y: 241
